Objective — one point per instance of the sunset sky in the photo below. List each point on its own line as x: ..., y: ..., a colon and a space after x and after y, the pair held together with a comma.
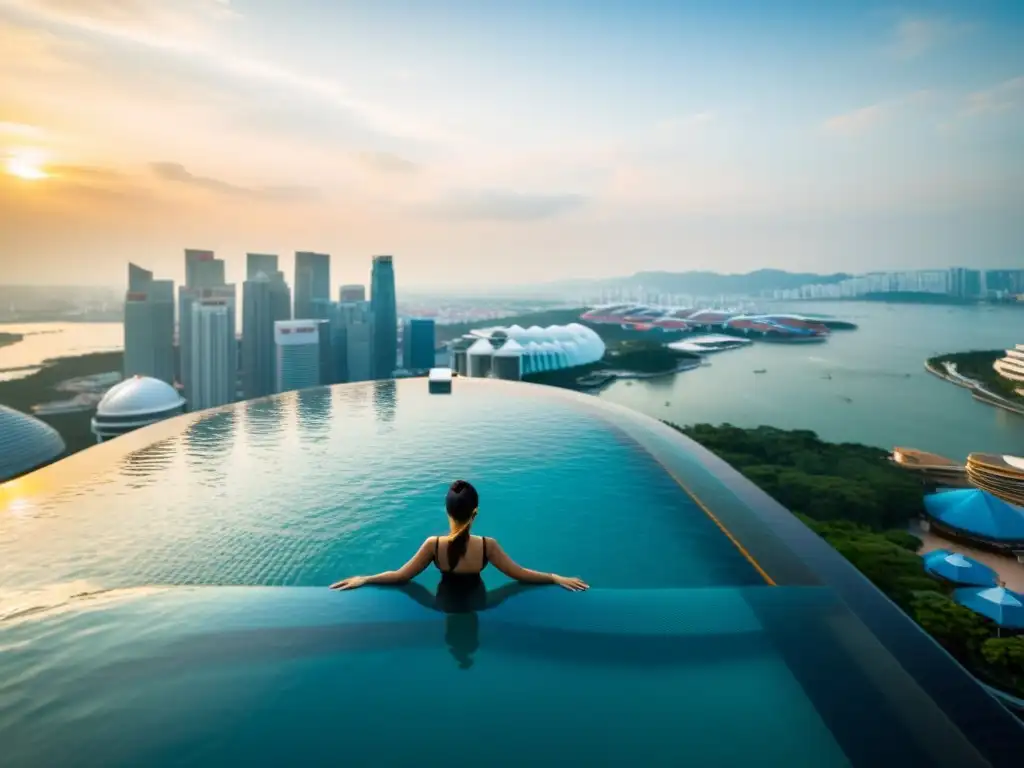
x: 485, y: 141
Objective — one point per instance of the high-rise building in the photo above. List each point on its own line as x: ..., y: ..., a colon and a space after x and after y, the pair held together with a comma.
x: 384, y: 306
x: 258, y: 353
x: 200, y: 268
x: 204, y: 279
x: 418, y: 342
x: 214, y: 354
x: 187, y: 299
x: 357, y: 322
x: 312, y: 281
x: 298, y: 354
x: 149, y: 326
x: 332, y: 364
x: 255, y: 263
x: 352, y: 292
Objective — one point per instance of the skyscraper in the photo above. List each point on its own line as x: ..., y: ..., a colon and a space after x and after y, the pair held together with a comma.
x: 357, y: 349
x: 255, y: 263
x: 298, y: 354
x: 213, y: 354
x: 148, y: 326
x: 418, y: 341
x: 258, y: 353
x: 384, y: 307
x: 204, y: 280
x: 352, y: 292
x: 312, y: 281
x: 195, y: 274
x: 332, y: 353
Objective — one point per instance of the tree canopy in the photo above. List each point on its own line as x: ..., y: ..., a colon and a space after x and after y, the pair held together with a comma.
x: 860, y: 503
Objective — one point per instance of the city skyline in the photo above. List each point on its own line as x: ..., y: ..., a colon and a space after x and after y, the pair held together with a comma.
x: 546, y: 139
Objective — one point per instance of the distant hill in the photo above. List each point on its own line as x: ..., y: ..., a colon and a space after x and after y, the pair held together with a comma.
x: 706, y: 283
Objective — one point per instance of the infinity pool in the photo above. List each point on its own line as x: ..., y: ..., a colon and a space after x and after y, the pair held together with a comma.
x: 162, y: 600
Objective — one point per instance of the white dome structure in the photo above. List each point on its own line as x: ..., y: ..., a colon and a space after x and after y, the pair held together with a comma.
x: 545, y: 349
x: 134, y: 403
x: 26, y: 443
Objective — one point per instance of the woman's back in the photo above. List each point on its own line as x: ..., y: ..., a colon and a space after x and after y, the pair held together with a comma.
x: 470, y: 563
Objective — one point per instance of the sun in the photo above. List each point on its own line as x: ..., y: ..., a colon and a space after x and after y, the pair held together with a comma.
x: 26, y: 165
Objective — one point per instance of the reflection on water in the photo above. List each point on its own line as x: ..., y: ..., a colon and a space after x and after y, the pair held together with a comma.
x: 264, y: 422
x: 385, y: 400
x: 462, y: 636
x: 461, y: 609
x: 143, y: 467
x: 209, y: 443
x: 314, y: 408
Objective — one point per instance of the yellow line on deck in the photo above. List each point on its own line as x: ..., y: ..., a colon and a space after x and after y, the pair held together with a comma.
x: 721, y: 526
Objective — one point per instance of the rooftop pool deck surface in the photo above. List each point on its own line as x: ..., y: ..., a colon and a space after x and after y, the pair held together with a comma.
x: 163, y: 601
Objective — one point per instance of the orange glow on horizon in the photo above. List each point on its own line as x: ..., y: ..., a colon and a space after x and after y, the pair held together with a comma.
x: 27, y: 166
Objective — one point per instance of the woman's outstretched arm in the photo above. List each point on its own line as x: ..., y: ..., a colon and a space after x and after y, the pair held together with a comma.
x: 407, y: 572
x: 513, y: 570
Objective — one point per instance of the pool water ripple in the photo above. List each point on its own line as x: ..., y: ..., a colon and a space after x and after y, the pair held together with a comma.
x: 308, y: 487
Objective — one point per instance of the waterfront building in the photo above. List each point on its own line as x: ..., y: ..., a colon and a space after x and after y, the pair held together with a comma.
x: 352, y: 292
x: 299, y: 355
x: 507, y: 362
x: 312, y: 281
x: 357, y: 346
x: 419, y: 339
x: 1002, y: 476
x: 134, y: 403
x: 214, y: 354
x: 383, y: 304
x: 26, y: 443
x: 1011, y: 367
x: 260, y: 263
x: 543, y: 349
x: 148, y: 326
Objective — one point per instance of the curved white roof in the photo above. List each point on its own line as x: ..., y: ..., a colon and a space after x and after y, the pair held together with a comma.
x: 25, y: 443
x: 139, y: 396
x: 511, y: 348
x: 481, y: 347
x: 557, y: 346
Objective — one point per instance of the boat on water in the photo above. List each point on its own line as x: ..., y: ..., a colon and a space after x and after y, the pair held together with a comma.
x: 706, y: 345
x: 761, y: 370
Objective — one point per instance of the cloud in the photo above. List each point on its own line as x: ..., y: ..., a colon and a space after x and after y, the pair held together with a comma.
x: 83, y: 172
x: 385, y: 162
x: 180, y: 41
x: 858, y: 122
x: 864, y: 120
x: 133, y: 17
x: 176, y: 172
x: 915, y: 36
x: 20, y: 130
x: 505, y: 205
x: 1003, y: 97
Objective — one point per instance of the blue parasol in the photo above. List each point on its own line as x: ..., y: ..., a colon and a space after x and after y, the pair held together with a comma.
x: 1004, y: 607
x: 959, y: 569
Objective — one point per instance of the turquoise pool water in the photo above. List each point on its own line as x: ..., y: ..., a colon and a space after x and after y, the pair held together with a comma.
x: 162, y: 601
x: 313, y: 486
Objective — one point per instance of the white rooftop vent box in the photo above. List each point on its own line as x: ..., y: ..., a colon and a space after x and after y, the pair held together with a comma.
x: 439, y: 381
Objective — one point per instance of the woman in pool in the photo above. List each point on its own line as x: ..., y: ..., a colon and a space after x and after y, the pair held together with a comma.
x: 460, y: 556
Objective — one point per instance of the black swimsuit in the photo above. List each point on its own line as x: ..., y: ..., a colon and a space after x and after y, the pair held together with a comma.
x: 460, y: 591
